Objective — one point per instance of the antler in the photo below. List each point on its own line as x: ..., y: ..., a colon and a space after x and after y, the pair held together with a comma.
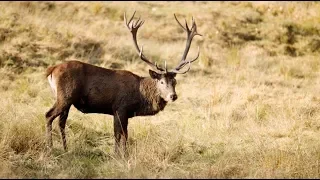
x: 190, y: 34
x: 134, y: 29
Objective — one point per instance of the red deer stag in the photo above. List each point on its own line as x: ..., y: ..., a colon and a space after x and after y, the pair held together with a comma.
x: 93, y: 89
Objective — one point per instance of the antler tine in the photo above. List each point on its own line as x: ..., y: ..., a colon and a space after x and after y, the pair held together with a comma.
x: 125, y: 19
x: 179, y: 22
x: 134, y: 29
x: 141, y: 23
x: 187, y: 25
x: 195, y: 26
x: 138, y: 21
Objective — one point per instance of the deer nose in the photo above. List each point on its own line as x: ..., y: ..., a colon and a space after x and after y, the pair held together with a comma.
x: 173, y: 97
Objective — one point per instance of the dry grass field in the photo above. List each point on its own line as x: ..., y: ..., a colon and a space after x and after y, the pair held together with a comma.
x: 248, y: 108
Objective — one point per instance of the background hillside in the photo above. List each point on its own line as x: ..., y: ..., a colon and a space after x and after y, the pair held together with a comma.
x: 248, y: 108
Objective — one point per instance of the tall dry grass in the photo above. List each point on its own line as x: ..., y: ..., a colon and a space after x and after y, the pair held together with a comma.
x: 248, y: 108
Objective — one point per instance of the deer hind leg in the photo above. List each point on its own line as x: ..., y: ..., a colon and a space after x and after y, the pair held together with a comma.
x: 54, y: 112
x: 50, y: 118
x: 62, y: 124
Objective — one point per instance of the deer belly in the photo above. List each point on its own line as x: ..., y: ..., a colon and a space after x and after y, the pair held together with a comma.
x: 85, y: 107
x: 82, y: 107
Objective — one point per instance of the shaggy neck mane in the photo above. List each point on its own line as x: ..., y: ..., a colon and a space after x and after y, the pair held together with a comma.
x: 152, y: 101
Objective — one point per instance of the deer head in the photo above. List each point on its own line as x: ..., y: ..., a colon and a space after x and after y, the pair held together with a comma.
x: 165, y: 78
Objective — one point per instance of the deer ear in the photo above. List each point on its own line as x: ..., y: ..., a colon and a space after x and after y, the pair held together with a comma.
x: 154, y: 75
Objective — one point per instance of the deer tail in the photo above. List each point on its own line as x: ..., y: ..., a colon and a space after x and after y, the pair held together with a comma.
x: 49, y: 70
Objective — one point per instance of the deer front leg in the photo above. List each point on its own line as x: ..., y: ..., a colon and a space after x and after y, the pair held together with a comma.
x: 120, y: 132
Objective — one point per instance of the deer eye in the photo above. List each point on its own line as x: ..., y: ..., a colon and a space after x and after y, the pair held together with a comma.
x: 161, y: 82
